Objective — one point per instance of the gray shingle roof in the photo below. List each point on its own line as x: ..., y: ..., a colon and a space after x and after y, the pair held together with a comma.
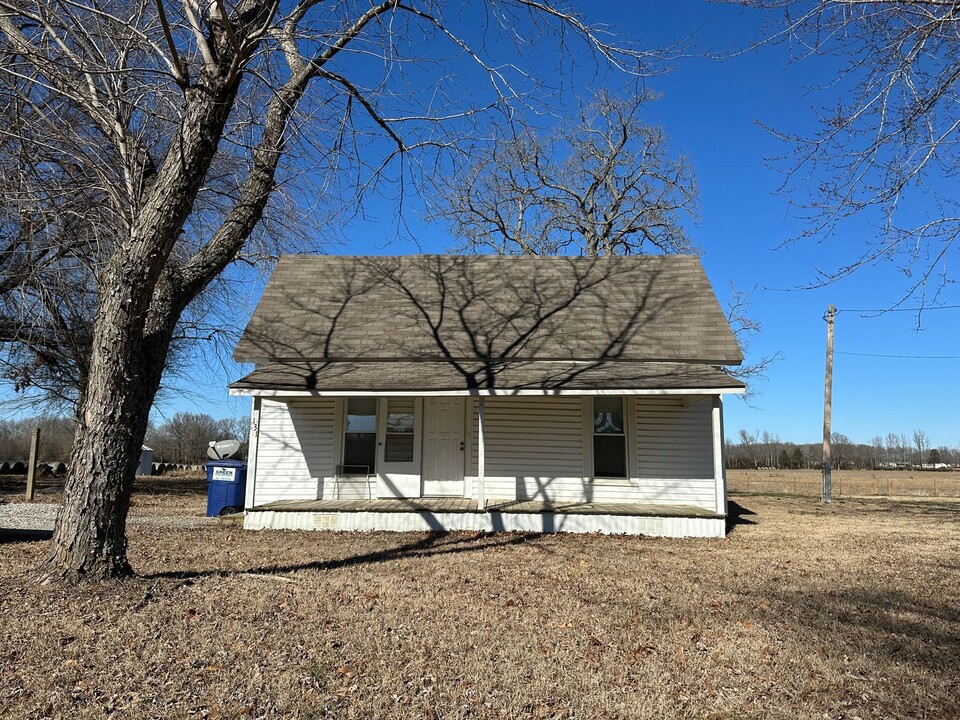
x: 432, y: 376
x: 429, y: 307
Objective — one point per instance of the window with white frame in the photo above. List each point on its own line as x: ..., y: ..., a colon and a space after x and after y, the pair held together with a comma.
x: 360, y: 436
x: 609, y: 438
x: 398, y: 441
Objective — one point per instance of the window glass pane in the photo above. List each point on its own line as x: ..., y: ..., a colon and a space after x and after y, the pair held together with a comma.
x: 398, y: 448
x: 362, y: 415
x: 608, y: 415
x: 609, y: 456
x: 400, y: 416
x: 399, y: 440
x: 359, y: 452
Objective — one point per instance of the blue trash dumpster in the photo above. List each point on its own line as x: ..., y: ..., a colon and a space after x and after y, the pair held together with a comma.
x: 226, y: 485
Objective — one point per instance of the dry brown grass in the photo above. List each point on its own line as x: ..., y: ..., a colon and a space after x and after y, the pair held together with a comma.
x: 848, y: 483
x: 805, y: 611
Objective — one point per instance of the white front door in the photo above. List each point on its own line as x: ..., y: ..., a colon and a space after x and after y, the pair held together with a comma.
x: 398, y: 447
x: 443, y: 446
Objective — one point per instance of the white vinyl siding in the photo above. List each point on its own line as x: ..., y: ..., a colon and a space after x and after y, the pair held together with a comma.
x: 675, y: 452
x: 295, y: 450
x: 538, y: 449
x: 534, y: 447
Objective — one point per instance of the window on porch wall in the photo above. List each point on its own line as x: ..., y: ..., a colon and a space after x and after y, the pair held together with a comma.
x: 609, y: 438
x: 399, y: 437
x: 360, y: 436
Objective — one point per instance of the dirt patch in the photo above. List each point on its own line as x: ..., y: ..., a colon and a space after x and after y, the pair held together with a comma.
x: 805, y: 611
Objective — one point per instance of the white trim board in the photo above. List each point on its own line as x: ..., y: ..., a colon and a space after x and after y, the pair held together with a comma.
x: 675, y: 527
x: 244, y: 392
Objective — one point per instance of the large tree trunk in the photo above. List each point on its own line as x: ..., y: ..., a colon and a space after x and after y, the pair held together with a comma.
x: 131, y: 339
x: 90, y: 537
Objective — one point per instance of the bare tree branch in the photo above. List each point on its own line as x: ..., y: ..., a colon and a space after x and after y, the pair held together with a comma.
x: 604, y: 186
x: 888, y: 151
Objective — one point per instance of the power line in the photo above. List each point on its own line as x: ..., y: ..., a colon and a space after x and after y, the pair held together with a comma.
x: 886, y: 310
x: 903, y: 357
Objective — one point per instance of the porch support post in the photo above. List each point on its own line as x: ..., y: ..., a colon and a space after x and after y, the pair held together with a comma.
x: 252, y: 447
x: 481, y: 452
x: 719, y: 465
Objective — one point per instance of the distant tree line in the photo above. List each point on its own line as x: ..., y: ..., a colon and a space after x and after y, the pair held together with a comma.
x: 56, y: 438
x: 185, y: 436
x: 181, y: 439
x: 895, y: 450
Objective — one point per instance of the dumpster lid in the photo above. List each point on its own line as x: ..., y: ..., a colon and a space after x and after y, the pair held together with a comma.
x: 226, y: 463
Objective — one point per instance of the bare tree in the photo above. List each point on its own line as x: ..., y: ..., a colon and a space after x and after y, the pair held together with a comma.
x: 841, y: 445
x: 878, y: 452
x: 894, y: 448
x: 606, y: 185
x: 904, y: 443
x: 52, y: 217
x: 888, y: 149
x: 184, y: 438
x: 748, y: 443
x: 56, y: 433
x: 745, y: 327
x: 184, y: 119
x: 922, y: 443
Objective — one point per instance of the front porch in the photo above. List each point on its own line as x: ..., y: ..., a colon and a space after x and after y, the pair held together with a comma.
x: 463, y: 514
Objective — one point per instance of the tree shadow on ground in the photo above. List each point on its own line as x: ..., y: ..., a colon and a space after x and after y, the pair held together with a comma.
x: 902, y: 626
x: 18, y: 535
x: 435, y: 543
x: 946, y: 510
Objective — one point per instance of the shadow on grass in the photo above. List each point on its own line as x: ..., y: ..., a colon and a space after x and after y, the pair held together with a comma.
x: 17, y: 535
x: 737, y: 515
x: 903, y: 626
x: 437, y: 543
x: 943, y: 509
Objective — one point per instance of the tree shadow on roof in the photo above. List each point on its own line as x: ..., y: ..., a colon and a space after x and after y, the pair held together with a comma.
x: 485, y: 329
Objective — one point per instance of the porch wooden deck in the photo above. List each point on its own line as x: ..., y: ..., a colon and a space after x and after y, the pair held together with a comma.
x: 466, y: 505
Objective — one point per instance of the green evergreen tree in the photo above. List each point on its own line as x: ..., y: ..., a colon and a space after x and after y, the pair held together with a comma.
x: 783, y: 459
x: 798, y: 460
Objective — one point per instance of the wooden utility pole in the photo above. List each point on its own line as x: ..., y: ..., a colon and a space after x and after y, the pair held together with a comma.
x: 32, y: 466
x: 828, y: 404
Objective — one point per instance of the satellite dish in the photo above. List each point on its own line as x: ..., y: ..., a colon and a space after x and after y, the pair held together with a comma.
x: 223, y: 449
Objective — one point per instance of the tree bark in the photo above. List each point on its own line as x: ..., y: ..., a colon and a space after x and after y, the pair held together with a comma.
x: 90, y: 537
x: 127, y: 357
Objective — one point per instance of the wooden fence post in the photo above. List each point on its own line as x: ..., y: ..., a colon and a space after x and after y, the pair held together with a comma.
x: 32, y: 466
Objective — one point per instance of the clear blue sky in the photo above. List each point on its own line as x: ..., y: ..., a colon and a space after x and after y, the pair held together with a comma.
x: 711, y: 111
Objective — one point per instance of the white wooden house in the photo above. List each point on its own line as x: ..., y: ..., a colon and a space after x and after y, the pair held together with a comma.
x: 488, y: 393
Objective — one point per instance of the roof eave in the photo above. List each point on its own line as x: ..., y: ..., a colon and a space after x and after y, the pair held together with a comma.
x: 480, y: 392
x: 263, y: 360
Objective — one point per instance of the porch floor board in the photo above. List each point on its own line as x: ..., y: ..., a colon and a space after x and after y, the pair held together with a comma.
x: 468, y: 505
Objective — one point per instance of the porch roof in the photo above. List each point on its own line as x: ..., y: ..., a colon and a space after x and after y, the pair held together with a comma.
x: 499, y: 378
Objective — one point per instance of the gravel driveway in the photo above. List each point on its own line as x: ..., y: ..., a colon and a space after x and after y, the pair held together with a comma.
x: 42, y: 516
